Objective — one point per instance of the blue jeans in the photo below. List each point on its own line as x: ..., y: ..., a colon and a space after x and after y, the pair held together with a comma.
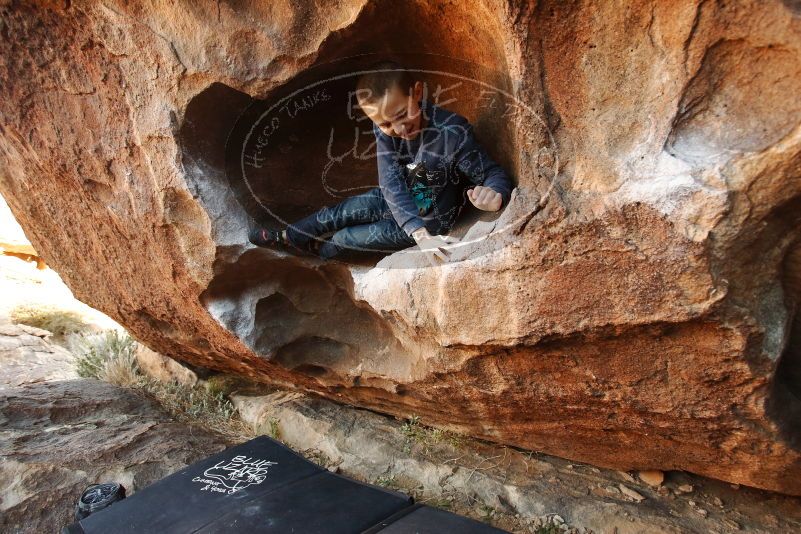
x: 361, y: 223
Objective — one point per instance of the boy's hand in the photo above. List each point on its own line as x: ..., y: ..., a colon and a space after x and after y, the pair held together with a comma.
x: 433, y: 246
x: 485, y: 198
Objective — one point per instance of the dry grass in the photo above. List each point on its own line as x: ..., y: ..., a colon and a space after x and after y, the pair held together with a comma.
x: 111, y: 356
x: 108, y: 355
x: 199, y: 406
x: 427, y: 437
x: 56, y: 320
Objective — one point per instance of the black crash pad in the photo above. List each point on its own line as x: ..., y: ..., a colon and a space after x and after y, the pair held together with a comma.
x: 421, y: 519
x: 258, y: 486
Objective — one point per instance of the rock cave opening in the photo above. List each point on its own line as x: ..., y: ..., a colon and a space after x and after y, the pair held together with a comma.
x: 302, y: 146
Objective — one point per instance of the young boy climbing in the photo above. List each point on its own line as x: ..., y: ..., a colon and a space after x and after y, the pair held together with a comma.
x: 424, y: 154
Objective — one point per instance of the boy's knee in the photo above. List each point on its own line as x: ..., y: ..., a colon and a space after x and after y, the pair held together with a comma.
x: 343, y: 238
x: 337, y: 245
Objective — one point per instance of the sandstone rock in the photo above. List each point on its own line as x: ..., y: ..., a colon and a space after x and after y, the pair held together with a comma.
x: 27, y: 358
x: 634, y: 306
x: 163, y: 368
x: 630, y: 493
x: 651, y: 477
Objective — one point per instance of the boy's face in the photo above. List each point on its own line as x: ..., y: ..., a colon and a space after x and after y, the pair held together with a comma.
x: 396, y: 114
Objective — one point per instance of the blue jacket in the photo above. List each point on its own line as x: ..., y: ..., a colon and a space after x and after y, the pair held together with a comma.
x: 434, y: 194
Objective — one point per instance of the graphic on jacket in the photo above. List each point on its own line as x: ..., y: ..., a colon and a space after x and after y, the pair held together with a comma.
x: 422, y: 185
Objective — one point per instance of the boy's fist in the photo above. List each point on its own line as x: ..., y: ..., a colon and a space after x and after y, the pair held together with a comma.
x: 485, y: 198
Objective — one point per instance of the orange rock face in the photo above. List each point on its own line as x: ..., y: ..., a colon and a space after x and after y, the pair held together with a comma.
x: 633, y: 307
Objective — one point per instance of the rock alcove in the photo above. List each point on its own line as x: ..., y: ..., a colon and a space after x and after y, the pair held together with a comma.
x: 303, y: 146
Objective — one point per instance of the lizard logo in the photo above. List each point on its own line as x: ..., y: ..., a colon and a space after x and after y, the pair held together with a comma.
x: 239, y: 472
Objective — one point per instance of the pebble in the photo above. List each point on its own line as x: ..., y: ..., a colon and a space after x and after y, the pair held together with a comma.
x: 685, y: 488
x: 631, y: 493
x: 652, y: 477
x: 627, y: 477
x: 701, y: 512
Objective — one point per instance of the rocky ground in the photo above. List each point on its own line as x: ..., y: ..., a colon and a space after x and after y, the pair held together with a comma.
x: 59, y: 433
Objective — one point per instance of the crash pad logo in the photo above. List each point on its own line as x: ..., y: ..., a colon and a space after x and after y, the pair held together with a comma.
x: 238, y: 473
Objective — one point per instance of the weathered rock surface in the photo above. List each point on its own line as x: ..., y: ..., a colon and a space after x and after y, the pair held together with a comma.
x: 60, y: 433
x: 162, y: 368
x: 645, y: 318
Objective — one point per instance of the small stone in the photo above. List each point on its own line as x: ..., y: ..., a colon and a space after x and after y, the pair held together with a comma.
x: 663, y: 491
x: 734, y: 486
x: 691, y: 503
x: 685, y: 488
x: 701, y: 512
x: 333, y: 468
x: 627, y: 477
x: 652, y: 477
x: 631, y: 493
x: 717, y: 502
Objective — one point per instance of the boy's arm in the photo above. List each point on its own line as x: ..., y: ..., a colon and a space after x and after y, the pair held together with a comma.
x: 474, y: 162
x: 393, y: 186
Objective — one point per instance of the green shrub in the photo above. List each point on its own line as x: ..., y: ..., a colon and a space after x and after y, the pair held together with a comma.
x: 108, y: 355
x: 111, y: 356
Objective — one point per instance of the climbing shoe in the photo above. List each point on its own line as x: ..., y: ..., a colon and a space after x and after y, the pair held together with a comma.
x: 264, y: 237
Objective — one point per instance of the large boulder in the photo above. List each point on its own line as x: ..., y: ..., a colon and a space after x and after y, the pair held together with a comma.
x: 634, y: 305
